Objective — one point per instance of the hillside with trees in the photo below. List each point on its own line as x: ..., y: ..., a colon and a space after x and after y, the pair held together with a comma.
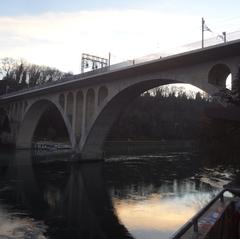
x: 19, y: 74
x: 161, y: 116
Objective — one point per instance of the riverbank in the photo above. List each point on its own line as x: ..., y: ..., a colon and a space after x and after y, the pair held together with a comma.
x: 138, y: 147
x: 117, y: 147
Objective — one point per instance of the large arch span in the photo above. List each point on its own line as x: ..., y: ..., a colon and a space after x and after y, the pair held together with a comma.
x: 31, y: 120
x: 210, y: 80
x: 91, y: 148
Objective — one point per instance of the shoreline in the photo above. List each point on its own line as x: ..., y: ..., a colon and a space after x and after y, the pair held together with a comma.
x: 137, y: 147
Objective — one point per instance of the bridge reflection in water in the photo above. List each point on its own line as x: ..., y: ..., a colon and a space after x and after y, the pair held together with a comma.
x: 71, y: 198
x: 144, y: 197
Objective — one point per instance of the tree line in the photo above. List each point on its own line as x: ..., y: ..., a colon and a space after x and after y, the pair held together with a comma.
x: 165, y: 115
x: 173, y: 115
x: 19, y: 74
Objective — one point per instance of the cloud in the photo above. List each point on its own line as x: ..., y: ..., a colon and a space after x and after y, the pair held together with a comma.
x: 58, y: 39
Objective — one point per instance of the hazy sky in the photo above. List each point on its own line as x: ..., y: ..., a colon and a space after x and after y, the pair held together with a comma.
x: 57, y: 32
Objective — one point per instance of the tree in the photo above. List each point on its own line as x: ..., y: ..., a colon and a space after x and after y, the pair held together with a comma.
x: 7, y: 67
x: 18, y: 74
x: 171, y: 116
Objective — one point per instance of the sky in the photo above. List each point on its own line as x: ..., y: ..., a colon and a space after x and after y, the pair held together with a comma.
x: 56, y: 32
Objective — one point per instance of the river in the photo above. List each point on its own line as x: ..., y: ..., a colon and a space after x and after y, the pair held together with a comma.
x: 147, y: 196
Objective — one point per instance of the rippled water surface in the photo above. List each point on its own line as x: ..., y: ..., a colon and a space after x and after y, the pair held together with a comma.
x: 141, y: 197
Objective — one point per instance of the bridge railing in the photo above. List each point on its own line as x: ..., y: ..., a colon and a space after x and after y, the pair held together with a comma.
x: 188, y: 47
x: 170, y: 52
x: 193, y: 222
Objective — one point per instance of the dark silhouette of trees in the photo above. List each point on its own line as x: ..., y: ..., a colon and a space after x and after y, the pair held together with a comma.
x: 162, y: 116
x: 220, y: 132
x: 51, y: 126
x: 18, y: 74
x: 219, y: 141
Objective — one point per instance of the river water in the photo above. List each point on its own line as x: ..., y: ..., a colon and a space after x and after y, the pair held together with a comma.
x: 127, y: 196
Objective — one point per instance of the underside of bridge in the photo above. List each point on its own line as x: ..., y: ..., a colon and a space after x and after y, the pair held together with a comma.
x: 43, y: 118
x: 102, y: 125
x: 218, y: 75
x: 92, y: 147
x: 51, y: 127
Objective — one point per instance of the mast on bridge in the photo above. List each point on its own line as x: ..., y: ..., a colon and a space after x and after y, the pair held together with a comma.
x: 93, y: 62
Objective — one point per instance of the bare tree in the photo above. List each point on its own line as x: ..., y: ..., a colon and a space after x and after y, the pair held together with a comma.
x: 18, y: 74
x: 7, y: 67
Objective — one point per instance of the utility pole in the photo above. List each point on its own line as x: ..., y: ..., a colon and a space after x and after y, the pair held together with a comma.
x: 203, y: 23
x: 109, y: 58
x: 204, y: 28
x: 224, y: 37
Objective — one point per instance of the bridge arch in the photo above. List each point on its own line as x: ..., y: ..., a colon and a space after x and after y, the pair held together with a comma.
x: 20, y: 110
x: 218, y: 75
x: 15, y: 110
x: 90, y: 107
x: 62, y: 100
x: 4, y: 121
x: 25, y: 105
x: 31, y: 120
x: 79, y: 114
x: 70, y: 106
x: 91, y: 147
x: 102, y: 94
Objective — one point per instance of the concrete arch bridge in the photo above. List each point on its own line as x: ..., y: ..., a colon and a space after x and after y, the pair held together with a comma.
x: 89, y: 103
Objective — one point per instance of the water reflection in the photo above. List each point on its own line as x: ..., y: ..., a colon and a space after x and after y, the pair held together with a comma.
x: 71, y: 199
x: 141, y: 197
x: 157, y: 217
x: 160, y: 193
